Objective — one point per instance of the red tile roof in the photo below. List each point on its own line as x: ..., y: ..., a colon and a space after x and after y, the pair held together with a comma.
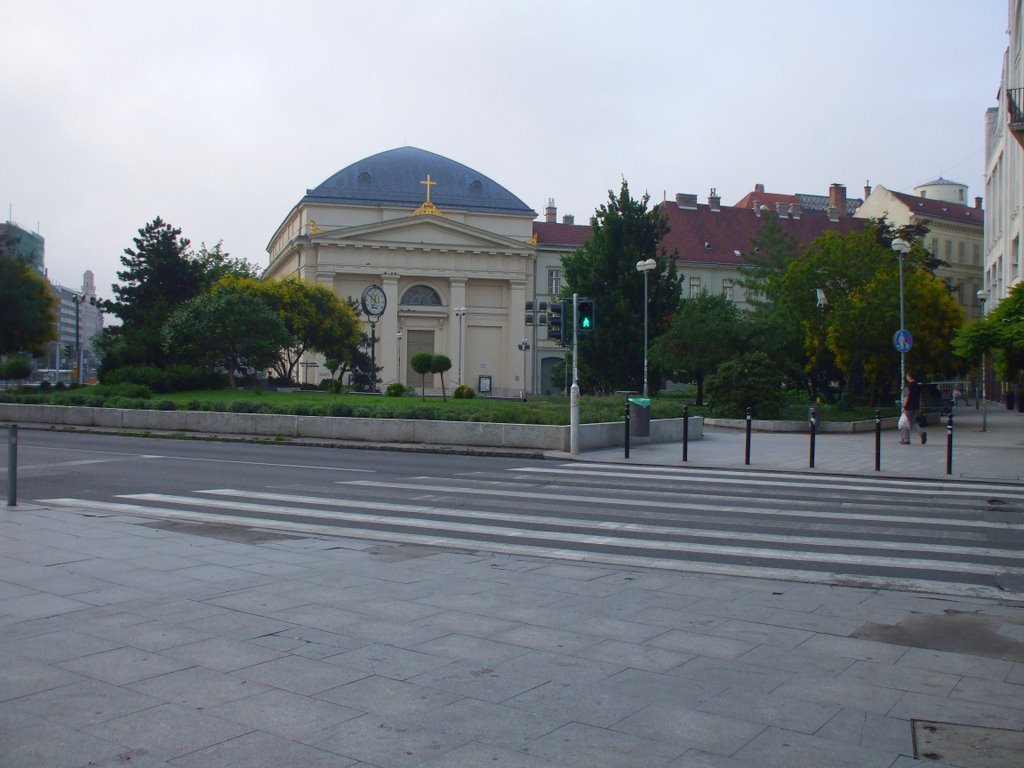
x: 715, y: 236
x: 551, y: 233
x: 766, y: 198
x: 929, y: 208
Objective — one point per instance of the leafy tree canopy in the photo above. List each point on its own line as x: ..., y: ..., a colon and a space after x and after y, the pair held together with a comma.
x: 28, y: 319
x: 1002, y: 332
x: 604, y: 269
x: 231, y: 326
x: 706, y: 331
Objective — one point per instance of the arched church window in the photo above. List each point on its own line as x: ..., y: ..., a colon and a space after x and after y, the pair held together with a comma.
x: 421, y: 296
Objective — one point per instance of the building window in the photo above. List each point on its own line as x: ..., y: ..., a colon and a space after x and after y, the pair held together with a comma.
x: 935, y: 247
x: 422, y: 296
x: 962, y: 251
x: 977, y: 255
x: 727, y: 289
x: 949, y: 250
x: 694, y: 286
x: 554, y: 281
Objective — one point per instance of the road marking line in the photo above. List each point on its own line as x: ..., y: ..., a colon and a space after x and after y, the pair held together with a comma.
x: 673, y: 506
x: 724, y: 569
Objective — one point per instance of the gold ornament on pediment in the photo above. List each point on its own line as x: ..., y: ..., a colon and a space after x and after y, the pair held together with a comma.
x: 313, y: 228
x: 428, y: 208
x: 532, y: 240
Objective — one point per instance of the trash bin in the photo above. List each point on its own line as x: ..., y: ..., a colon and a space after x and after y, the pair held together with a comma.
x: 640, y: 416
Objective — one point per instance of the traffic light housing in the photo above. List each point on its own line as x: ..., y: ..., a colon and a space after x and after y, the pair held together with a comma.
x: 556, y: 321
x: 585, y: 319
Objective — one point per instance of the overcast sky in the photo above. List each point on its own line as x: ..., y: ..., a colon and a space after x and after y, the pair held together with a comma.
x: 217, y: 116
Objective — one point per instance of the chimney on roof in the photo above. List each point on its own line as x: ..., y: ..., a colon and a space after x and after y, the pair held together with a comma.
x: 794, y: 210
x: 568, y: 219
x: 837, y: 198
x: 759, y: 188
x: 686, y: 201
x: 593, y: 221
x: 977, y: 203
x: 867, y: 190
x: 833, y: 213
x: 551, y: 213
x: 714, y: 200
x: 782, y: 210
x: 758, y: 205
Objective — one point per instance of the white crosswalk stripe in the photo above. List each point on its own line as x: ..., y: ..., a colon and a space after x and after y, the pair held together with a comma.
x: 792, y: 527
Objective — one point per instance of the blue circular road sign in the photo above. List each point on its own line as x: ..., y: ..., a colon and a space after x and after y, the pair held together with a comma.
x: 902, y: 340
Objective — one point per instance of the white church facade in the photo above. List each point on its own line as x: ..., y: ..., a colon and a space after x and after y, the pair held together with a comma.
x: 452, y: 251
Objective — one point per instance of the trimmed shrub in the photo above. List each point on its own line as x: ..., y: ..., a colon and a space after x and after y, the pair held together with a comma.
x: 339, y: 409
x: 395, y: 389
x: 464, y: 392
x: 751, y: 380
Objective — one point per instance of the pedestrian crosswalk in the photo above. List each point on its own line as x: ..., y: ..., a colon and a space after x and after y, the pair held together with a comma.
x: 950, y: 537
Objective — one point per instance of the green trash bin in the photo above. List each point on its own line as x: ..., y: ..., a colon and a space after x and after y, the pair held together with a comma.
x: 640, y: 416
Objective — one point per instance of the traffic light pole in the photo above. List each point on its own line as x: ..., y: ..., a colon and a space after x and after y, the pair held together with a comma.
x: 574, y: 391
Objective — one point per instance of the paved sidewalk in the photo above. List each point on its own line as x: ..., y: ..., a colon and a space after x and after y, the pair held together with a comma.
x: 130, y: 641
x: 994, y: 454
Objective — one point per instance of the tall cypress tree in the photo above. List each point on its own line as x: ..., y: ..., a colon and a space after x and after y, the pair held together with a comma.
x: 625, y: 232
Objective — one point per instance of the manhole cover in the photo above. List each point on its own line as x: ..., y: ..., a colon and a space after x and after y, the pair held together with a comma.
x: 967, y: 746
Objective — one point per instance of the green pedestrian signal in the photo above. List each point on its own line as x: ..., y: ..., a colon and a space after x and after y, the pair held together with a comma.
x: 585, y: 318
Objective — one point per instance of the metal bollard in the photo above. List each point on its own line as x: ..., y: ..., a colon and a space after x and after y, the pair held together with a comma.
x: 878, y: 441
x: 12, y: 465
x: 814, y: 433
x: 746, y: 459
x: 949, y: 444
x: 686, y: 429
x: 627, y: 428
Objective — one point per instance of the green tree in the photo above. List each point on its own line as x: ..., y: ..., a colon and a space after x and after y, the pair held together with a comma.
x: 705, y: 332
x: 748, y: 380
x: 441, y: 364
x: 1000, y: 332
x: 16, y: 367
x: 317, y: 321
x: 28, y: 319
x: 230, y: 326
x: 158, y: 275
x: 215, y: 263
x: 422, y: 363
x: 604, y: 269
x: 844, y: 292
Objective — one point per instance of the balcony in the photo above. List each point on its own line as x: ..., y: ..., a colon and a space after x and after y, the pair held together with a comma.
x: 1015, y: 109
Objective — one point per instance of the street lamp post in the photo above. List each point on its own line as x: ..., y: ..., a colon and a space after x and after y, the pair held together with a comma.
x: 983, y: 295
x: 398, y: 362
x: 524, y: 347
x: 460, y: 313
x: 645, y: 267
x: 901, y: 246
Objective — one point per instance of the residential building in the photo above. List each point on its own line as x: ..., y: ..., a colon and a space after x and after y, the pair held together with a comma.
x: 955, y: 231
x: 1004, y: 169
x: 710, y: 239
x: 79, y: 323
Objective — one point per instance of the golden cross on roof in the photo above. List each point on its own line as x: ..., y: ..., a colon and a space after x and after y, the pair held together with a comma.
x: 428, y: 208
x: 428, y: 183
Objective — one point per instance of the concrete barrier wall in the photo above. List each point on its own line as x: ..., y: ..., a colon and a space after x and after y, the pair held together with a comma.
x: 470, y: 433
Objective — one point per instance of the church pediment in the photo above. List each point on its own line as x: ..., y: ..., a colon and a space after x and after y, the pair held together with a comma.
x: 420, y: 231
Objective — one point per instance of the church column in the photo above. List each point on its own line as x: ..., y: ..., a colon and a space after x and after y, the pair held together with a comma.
x: 387, y: 332
x: 458, y: 328
x: 516, y: 333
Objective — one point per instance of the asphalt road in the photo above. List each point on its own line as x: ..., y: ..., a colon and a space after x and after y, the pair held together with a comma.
x: 954, y: 538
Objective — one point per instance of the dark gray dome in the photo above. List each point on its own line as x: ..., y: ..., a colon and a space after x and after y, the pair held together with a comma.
x: 394, y: 178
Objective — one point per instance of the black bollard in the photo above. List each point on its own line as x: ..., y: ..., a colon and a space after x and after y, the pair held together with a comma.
x: 949, y: 444
x: 746, y: 460
x: 814, y: 432
x: 686, y: 429
x: 878, y: 441
x: 627, y: 428
x: 12, y: 465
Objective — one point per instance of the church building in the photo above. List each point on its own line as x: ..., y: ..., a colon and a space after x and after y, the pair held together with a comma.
x: 440, y: 256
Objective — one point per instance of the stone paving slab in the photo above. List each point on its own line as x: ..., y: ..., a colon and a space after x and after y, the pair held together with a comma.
x: 377, y: 656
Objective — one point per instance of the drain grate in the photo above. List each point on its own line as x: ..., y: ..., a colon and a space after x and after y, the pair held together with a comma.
x: 967, y: 745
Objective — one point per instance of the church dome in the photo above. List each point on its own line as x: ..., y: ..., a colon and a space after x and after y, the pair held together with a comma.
x: 396, y: 178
